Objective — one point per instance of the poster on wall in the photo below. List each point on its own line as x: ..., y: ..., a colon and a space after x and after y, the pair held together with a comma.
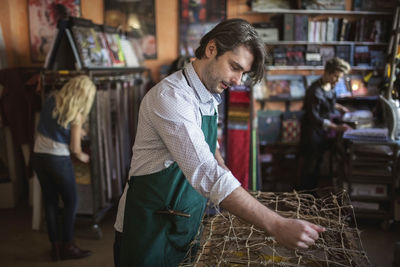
x: 137, y: 17
x: 43, y: 18
x: 197, y: 17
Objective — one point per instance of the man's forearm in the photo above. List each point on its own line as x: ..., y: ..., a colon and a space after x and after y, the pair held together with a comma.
x: 245, y: 206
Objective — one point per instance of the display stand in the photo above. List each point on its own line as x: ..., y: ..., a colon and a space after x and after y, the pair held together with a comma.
x: 81, y: 47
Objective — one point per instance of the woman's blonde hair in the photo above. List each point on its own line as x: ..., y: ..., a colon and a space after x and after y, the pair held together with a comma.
x: 75, y: 98
x: 337, y: 64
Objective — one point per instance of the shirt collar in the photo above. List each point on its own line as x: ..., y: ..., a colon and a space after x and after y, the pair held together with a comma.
x: 194, y: 81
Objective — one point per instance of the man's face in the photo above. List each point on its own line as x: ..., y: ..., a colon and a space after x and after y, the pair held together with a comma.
x: 226, y: 70
x: 334, y: 77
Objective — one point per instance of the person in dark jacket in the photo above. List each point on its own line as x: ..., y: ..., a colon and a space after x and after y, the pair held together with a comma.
x: 317, y: 126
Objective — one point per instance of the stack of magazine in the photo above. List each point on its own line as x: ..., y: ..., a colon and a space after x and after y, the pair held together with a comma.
x: 368, y: 134
x: 93, y: 46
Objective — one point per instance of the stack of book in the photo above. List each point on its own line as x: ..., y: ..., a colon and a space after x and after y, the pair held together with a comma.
x: 267, y: 31
x: 326, y: 52
x: 368, y: 134
x: 295, y: 55
x: 377, y: 58
x: 279, y: 55
x: 324, y: 4
x: 373, y: 5
x: 313, y: 56
x: 361, y: 56
x: 267, y: 5
x: 284, y: 86
x: 301, y: 28
x: 344, y: 52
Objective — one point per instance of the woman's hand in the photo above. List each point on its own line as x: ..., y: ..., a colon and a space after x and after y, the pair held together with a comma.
x: 83, y: 157
x: 340, y: 128
x: 83, y: 133
x: 342, y: 109
x: 75, y: 143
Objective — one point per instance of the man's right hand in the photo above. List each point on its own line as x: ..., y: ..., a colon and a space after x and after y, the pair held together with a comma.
x: 294, y: 233
x: 291, y: 233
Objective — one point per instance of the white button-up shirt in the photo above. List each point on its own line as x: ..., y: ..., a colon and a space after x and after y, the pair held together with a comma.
x: 169, y: 130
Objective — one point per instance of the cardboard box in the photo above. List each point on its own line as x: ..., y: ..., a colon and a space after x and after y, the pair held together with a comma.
x: 268, y: 34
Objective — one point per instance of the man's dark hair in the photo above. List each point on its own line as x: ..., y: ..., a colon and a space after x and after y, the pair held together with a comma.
x: 232, y: 33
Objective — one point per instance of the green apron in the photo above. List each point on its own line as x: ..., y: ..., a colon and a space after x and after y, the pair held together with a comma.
x: 163, y: 213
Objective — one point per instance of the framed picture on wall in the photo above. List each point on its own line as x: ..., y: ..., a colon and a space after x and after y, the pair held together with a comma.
x: 43, y: 18
x: 137, y: 17
x: 197, y: 17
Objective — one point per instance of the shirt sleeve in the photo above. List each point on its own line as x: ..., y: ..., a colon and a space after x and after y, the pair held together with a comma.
x: 312, y: 106
x: 175, y: 119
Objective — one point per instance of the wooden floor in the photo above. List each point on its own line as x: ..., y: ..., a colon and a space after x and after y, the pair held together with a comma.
x: 23, y: 247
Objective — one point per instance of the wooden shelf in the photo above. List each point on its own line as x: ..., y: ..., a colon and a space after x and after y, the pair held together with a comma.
x: 281, y: 99
x: 96, y: 70
x: 320, y: 12
x: 305, y: 67
x: 325, y: 43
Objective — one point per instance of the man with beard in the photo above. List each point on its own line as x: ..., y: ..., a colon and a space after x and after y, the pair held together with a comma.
x: 176, y: 165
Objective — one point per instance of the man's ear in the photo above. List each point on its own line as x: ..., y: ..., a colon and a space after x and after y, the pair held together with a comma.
x: 211, y: 49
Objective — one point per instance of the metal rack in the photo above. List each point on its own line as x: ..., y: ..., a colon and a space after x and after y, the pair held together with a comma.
x: 111, y: 131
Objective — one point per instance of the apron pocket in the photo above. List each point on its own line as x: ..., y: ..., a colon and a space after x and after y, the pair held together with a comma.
x: 183, y: 229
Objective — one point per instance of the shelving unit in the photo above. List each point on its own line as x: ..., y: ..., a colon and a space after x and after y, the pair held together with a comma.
x: 274, y: 18
x: 325, y: 43
x: 275, y: 155
x: 371, y: 172
x: 318, y: 12
x: 270, y: 69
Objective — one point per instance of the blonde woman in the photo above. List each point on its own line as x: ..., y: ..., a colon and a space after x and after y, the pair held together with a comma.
x: 59, y: 136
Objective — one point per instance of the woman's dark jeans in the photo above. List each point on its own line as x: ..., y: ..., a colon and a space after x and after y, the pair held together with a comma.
x: 56, y: 176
